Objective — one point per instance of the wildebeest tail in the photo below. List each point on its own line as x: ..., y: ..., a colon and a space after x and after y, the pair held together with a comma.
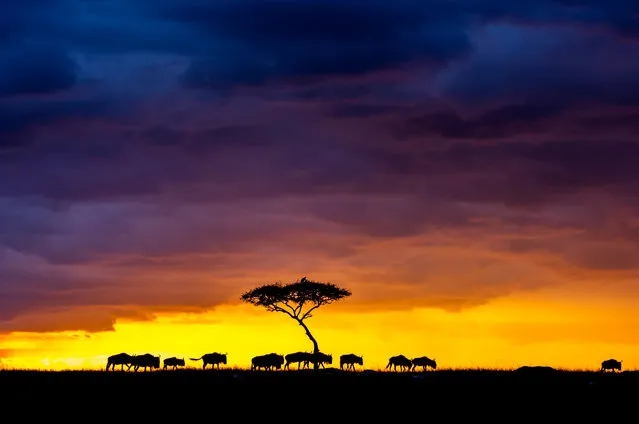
x: 196, y: 359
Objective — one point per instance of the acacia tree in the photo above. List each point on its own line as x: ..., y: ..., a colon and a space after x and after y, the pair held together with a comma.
x: 297, y: 300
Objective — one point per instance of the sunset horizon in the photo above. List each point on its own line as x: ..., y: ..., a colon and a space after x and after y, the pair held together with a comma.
x: 467, y: 170
x: 484, y: 337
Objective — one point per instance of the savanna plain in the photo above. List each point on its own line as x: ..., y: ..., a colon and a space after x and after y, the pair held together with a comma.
x: 330, y: 394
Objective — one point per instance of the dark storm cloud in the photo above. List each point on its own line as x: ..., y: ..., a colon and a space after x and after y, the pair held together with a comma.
x: 19, y: 120
x: 622, y: 16
x: 26, y: 69
x: 115, y: 26
x: 226, y: 162
x: 251, y: 41
x: 496, y: 123
x: 162, y: 135
x: 628, y: 122
x: 21, y: 17
x: 149, y: 174
x: 272, y: 40
x: 563, y: 65
x: 524, y: 174
x: 355, y: 110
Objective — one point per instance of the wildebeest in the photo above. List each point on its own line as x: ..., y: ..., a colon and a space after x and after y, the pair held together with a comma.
x: 424, y: 362
x: 268, y: 361
x: 121, y: 359
x: 321, y: 359
x: 350, y: 360
x: 173, y: 362
x: 611, y: 364
x: 400, y: 361
x: 301, y: 358
x: 145, y: 361
x: 214, y: 359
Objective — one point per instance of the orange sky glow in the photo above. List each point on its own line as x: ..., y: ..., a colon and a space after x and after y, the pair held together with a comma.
x: 446, y: 296
x: 502, y: 334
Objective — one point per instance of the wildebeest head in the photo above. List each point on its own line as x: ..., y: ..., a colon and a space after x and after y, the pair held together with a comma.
x: 223, y: 357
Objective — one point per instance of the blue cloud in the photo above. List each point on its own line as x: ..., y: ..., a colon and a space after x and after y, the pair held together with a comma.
x: 26, y: 69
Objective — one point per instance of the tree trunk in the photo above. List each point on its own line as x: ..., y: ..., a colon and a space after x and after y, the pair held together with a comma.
x: 315, y: 345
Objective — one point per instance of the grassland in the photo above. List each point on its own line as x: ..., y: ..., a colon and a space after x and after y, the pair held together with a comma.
x: 333, y: 379
x: 329, y: 395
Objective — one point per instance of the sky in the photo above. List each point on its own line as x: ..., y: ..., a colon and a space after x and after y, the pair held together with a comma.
x: 467, y: 169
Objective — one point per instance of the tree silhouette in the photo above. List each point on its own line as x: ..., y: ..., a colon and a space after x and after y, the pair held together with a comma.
x: 292, y: 298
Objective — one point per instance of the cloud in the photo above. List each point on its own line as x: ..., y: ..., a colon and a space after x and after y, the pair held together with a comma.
x: 21, y: 120
x: 35, y: 70
x: 493, y: 124
x: 441, y: 154
x: 265, y: 41
x: 564, y: 64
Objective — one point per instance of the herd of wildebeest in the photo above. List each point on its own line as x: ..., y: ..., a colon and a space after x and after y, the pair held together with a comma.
x: 275, y: 361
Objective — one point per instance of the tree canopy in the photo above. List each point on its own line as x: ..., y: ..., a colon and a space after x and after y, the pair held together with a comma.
x: 291, y: 298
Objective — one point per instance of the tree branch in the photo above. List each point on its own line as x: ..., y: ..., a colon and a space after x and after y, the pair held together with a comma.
x: 308, y: 313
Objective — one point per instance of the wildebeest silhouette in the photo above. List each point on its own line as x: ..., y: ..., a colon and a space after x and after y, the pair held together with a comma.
x: 611, y: 364
x: 173, y: 362
x: 424, y: 362
x: 145, y: 361
x: 301, y: 358
x: 400, y: 361
x: 268, y: 361
x: 350, y: 359
x: 214, y: 359
x: 121, y: 359
x: 321, y: 358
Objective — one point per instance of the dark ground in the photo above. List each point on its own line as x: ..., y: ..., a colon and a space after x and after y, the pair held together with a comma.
x: 332, y: 393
